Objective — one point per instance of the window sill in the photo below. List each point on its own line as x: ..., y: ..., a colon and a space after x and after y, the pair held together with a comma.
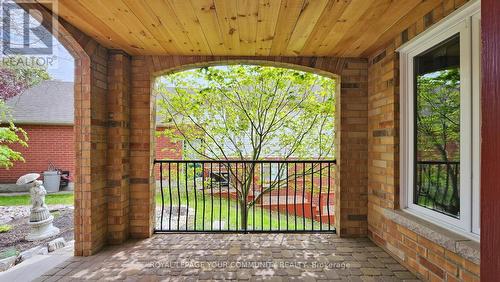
x: 449, y: 240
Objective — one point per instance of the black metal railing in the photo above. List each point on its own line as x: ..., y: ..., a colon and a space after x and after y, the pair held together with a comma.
x: 437, y: 186
x: 245, y: 196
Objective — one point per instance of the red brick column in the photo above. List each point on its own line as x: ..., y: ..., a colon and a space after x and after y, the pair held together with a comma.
x: 90, y: 138
x: 351, y: 199
x: 118, y: 159
x: 142, y: 151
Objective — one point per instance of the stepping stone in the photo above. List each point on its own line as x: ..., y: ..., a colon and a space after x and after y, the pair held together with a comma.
x: 56, y: 244
x: 7, y: 263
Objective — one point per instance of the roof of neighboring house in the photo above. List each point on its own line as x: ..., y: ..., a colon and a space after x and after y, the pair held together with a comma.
x: 50, y: 102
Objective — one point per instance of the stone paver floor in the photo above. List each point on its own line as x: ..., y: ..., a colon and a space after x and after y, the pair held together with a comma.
x: 195, y: 257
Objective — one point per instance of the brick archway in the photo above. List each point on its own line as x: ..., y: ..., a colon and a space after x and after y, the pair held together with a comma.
x: 351, y: 202
x: 90, y: 60
x: 166, y: 68
x: 114, y: 192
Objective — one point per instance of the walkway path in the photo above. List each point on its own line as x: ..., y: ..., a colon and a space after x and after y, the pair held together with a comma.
x: 37, y: 265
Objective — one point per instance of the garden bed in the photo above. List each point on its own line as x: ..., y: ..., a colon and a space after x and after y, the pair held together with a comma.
x: 12, y: 242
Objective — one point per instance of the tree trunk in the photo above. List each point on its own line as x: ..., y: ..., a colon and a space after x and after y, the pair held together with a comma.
x: 244, y: 215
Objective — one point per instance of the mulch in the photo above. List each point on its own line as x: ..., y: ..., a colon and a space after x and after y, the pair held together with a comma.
x: 14, y: 239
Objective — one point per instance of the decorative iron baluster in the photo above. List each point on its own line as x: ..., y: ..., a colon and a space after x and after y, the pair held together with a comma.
x: 246, y: 191
x: 187, y: 195
x: 320, y: 203
x: 162, y: 199
x: 203, y: 193
x: 170, y: 196
x: 295, y: 196
x: 328, y: 199
x: 286, y: 204
x: 195, y: 197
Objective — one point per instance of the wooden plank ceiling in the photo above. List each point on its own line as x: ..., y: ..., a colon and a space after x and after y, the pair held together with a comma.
x: 243, y: 27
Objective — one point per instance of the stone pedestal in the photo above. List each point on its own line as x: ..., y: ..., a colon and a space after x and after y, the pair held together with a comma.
x: 42, y: 229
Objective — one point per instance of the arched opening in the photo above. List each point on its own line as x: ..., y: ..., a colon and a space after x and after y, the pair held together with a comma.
x: 287, y: 189
x: 64, y: 113
x: 179, y: 67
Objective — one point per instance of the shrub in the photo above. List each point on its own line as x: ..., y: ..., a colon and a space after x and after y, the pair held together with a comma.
x: 5, y: 228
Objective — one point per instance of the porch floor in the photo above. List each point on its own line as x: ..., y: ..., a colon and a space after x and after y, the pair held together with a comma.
x: 277, y: 257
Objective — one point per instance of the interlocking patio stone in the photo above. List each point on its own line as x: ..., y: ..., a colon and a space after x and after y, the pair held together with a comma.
x: 250, y: 257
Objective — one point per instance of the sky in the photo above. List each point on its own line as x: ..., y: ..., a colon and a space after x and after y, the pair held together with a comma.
x: 65, y: 69
x: 63, y: 66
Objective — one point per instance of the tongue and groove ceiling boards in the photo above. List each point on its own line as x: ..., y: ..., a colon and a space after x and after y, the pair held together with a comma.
x: 349, y: 28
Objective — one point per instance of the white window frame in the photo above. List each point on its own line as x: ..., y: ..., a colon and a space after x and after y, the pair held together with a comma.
x: 476, y: 122
x: 464, y: 22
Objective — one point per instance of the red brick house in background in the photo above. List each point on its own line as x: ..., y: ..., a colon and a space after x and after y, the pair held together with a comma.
x: 46, y: 113
x: 166, y: 149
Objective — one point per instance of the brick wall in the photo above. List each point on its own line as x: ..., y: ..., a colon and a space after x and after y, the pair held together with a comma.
x: 427, y: 259
x: 48, y: 144
x: 118, y: 139
x: 166, y: 149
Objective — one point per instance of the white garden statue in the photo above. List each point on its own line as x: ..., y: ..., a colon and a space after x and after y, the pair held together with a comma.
x: 40, y: 217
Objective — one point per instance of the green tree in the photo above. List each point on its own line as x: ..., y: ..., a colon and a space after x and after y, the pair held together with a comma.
x: 10, y: 134
x: 247, y: 112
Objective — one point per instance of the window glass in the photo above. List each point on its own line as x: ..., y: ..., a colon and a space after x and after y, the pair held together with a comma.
x: 274, y: 172
x: 437, y: 128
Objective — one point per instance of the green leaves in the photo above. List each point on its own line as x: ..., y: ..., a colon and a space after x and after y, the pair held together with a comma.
x: 16, y: 75
x: 250, y: 112
x: 438, y: 115
x: 10, y: 135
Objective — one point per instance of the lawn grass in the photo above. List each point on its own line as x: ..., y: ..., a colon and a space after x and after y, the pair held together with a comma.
x: 24, y: 200
x: 216, y: 209
x: 208, y: 210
